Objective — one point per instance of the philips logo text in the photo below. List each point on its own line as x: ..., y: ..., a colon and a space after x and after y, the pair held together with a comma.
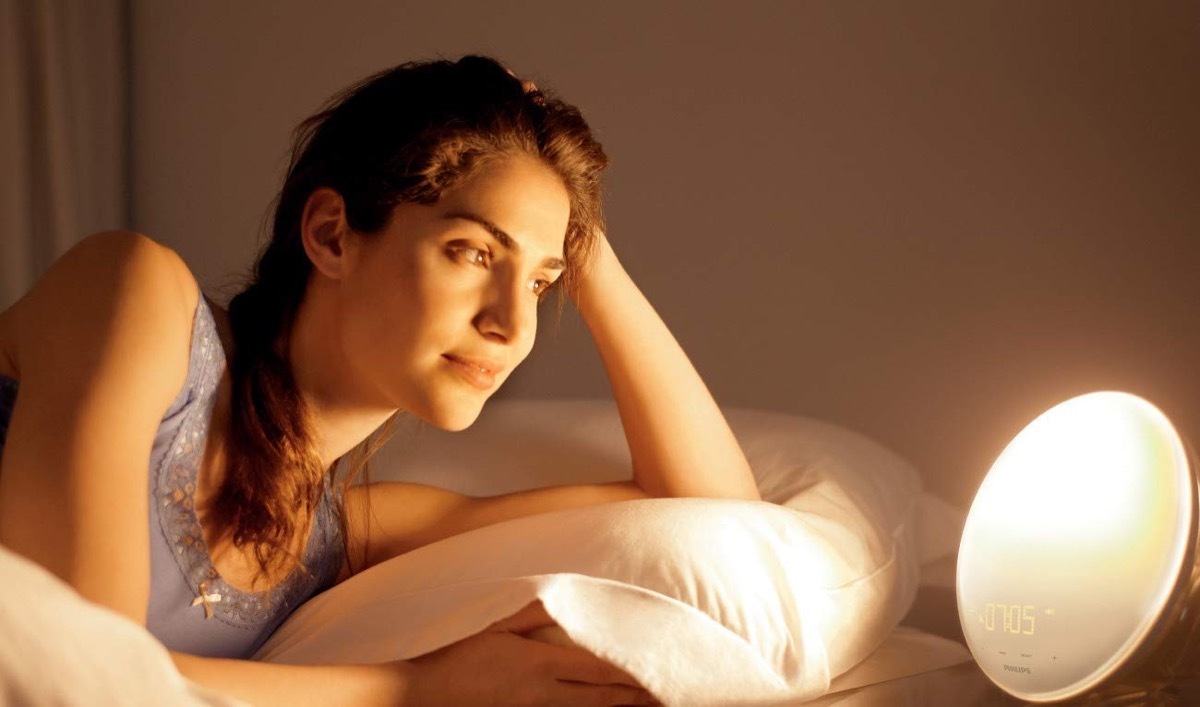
x: 1017, y: 669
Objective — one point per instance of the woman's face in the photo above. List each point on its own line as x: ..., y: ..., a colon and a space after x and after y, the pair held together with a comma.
x: 448, y: 288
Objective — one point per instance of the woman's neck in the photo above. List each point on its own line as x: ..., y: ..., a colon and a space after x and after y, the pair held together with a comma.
x: 340, y: 421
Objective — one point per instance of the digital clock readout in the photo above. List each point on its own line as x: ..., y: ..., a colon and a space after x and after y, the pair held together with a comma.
x: 1010, y: 618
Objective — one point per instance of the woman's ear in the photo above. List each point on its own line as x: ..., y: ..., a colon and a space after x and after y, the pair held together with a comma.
x: 324, y: 231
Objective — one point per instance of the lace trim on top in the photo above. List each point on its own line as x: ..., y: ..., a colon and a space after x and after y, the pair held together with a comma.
x: 177, y: 516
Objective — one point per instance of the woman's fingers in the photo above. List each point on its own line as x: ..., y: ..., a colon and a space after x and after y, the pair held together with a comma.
x: 526, y: 85
x: 587, y: 678
x: 606, y: 695
x: 532, y: 616
x: 577, y: 665
x: 501, y: 667
x: 570, y: 662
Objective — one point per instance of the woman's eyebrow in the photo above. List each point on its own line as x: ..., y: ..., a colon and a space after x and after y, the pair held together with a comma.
x: 505, y: 240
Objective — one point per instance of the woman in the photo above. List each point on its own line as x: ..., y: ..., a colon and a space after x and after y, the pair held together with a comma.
x: 426, y: 212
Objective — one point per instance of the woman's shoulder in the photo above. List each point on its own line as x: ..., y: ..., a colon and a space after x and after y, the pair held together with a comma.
x: 131, y: 257
x: 102, y: 346
x: 118, y: 283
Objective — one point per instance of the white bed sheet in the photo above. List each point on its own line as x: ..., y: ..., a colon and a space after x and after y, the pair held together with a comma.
x: 906, y: 652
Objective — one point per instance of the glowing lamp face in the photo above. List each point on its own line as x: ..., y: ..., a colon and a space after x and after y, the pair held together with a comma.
x: 1078, y: 547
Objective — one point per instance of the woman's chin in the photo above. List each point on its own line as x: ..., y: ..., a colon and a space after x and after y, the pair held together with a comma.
x: 458, y: 425
x: 452, y: 416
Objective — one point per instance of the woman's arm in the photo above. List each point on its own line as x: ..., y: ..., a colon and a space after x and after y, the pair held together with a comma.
x: 497, y: 666
x: 679, y: 441
x: 101, y: 345
x: 266, y: 684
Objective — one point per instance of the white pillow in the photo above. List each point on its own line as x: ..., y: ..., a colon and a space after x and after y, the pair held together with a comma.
x: 522, y: 444
x: 704, y: 601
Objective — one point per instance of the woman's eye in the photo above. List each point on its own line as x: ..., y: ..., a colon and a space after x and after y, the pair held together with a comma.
x: 474, y: 256
x: 483, y: 257
x: 541, y: 288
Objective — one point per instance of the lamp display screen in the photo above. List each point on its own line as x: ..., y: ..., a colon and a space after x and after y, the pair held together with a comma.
x: 1019, y: 619
x: 1073, y: 545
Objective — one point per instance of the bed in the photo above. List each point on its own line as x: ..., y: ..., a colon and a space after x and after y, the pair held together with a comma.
x: 865, y: 558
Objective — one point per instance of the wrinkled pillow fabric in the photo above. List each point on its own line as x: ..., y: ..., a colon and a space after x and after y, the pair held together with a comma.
x: 705, y: 601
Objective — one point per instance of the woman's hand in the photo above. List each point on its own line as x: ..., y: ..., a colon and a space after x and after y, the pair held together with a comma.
x: 526, y: 84
x: 500, y: 666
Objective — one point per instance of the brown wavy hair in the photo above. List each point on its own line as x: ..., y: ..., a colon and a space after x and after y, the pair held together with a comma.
x: 407, y: 134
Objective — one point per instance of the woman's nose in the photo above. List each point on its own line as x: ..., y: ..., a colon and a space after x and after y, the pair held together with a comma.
x: 509, y: 313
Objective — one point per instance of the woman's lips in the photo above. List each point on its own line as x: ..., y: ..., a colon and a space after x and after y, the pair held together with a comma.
x: 481, y: 375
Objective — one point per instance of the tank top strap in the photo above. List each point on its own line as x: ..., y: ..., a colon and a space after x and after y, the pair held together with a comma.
x: 206, y: 360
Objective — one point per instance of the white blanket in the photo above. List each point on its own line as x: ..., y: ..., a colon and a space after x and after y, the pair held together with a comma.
x: 58, y: 649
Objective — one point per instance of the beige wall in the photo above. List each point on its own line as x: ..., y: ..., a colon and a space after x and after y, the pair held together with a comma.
x: 923, y: 221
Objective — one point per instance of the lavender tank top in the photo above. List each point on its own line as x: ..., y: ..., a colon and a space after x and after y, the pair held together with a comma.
x: 191, y: 608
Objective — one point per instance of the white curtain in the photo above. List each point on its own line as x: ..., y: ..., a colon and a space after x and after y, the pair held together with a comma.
x: 64, y: 98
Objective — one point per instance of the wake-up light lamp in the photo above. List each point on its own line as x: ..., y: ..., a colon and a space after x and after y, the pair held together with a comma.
x: 1077, y: 571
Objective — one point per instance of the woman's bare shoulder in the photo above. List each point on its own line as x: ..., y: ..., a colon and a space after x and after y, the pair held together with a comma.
x: 113, y: 277
x: 101, y: 343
